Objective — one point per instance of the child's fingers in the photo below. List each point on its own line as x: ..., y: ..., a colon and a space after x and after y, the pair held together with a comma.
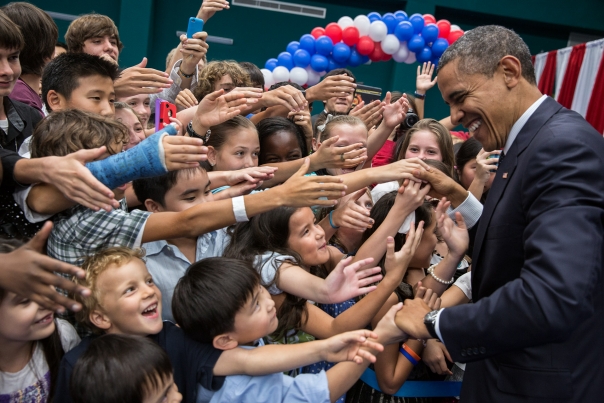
x: 461, y: 223
x: 367, y: 281
x: 363, y: 354
x: 421, y: 291
x: 427, y: 295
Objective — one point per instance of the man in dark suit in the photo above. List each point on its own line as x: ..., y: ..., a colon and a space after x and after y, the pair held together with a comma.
x: 535, y: 330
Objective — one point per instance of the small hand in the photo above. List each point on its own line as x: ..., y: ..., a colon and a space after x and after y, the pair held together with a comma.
x: 185, y: 99
x: 347, y: 347
x: 347, y: 280
x: 486, y: 166
x: 348, y: 214
x: 216, y: 108
x: 330, y: 156
x: 183, y: 152
x: 435, y: 355
x: 388, y: 330
x: 397, y: 262
x: 424, y: 81
x: 333, y: 86
x: 455, y: 236
x: 370, y: 113
x: 210, y: 7
x: 138, y: 79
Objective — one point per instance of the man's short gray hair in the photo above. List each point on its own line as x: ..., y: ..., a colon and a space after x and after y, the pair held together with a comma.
x: 479, y: 51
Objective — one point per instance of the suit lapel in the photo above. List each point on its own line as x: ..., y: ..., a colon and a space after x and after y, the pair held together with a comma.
x: 504, y: 175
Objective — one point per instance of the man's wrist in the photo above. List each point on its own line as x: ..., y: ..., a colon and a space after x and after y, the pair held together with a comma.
x: 457, y: 195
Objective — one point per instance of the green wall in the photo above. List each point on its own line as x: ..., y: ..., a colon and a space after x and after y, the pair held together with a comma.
x: 148, y: 28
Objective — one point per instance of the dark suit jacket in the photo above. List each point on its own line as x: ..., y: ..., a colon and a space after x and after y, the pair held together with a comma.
x: 535, y: 332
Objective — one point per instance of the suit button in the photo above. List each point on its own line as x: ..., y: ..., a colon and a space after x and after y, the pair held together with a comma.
x: 483, y: 350
x: 469, y: 351
x: 475, y: 350
x: 463, y: 352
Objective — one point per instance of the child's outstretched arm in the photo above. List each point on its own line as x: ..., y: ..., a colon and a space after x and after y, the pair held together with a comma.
x: 392, y: 367
x: 343, y: 375
x: 321, y: 325
x: 345, y: 281
x: 355, y: 346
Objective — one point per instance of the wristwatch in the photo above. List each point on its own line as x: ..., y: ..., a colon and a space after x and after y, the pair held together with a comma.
x: 430, y: 322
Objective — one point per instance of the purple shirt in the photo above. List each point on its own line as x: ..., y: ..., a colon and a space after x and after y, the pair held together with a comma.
x: 24, y: 93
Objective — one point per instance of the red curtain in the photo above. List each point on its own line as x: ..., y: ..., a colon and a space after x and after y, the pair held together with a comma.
x: 567, y: 92
x: 548, y: 77
x: 595, y: 110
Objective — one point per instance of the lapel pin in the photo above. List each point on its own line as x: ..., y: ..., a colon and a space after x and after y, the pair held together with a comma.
x: 505, y: 175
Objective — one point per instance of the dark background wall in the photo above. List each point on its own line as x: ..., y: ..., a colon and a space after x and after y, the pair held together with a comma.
x: 148, y: 28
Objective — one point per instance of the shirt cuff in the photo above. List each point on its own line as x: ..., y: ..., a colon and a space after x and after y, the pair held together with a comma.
x: 437, y: 327
x: 470, y: 209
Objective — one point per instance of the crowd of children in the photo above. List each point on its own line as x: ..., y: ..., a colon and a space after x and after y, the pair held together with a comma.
x: 246, y: 253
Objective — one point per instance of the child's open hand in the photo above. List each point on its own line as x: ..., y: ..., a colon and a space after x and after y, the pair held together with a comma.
x: 435, y: 356
x: 397, y: 262
x: 183, y: 152
x: 185, y: 99
x: 455, y: 235
x: 347, y: 347
x: 411, y: 196
x: 251, y: 175
x: 218, y: 107
x: 348, y: 214
x: 428, y: 296
x: 329, y: 156
x: 347, y: 280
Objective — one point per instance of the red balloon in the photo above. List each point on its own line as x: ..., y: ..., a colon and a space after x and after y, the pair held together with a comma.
x: 386, y: 57
x: 365, y: 45
x: 317, y: 32
x: 444, y: 28
x: 350, y: 36
x: 334, y: 32
x: 453, y: 36
x: 377, y: 54
x: 429, y: 19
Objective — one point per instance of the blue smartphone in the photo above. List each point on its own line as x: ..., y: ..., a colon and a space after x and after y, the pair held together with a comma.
x: 195, y: 25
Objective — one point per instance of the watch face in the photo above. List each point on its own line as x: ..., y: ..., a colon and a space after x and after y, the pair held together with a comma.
x: 431, y: 316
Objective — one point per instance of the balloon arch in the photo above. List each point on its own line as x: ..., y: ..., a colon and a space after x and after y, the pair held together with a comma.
x: 362, y: 40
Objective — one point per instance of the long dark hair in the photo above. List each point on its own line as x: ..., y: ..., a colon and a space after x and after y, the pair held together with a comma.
x: 269, y: 232
x: 51, y: 345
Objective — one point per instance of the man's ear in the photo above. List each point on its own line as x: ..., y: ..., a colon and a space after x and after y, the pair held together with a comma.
x: 224, y: 341
x: 99, y: 319
x: 153, y: 206
x: 211, y: 155
x: 511, y: 69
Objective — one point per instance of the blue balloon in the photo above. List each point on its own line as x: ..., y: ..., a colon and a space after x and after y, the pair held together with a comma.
x: 301, y: 58
x: 270, y: 64
x: 401, y: 16
x: 324, y: 45
x: 435, y: 60
x: 355, y: 58
x: 335, y: 65
x: 340, y: 52
x: 424, y: 55
x: 439, y: 46
x: 404, y: 31
x: 319, y: 63
x: 416, y: 43
x: 430, y: 33
x: 307, y: 42
x: 373, y: 16
x: 418, y: 23
x: 391, y: 22
x: 364, y: 59
x: 292, y: 47
x: 285, y: 59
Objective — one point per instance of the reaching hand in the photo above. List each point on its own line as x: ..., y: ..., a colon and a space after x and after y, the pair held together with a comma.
x: 183, y: 152
x: 397, y: 262
x: 306, y: 191
x: 411, y: 318
x: 216, y: 108
x: 370, y: 113
x: 347, y: 280
x: 388, y: 330
x: 485, y: 166
x: 349, y: 214
x: 347, y: 347
x: 286, y: 96
x: 333, y: 86
x: 428, y: 296
x: 424, y: 81
x: 185, y: 99
x: 193, y: 50
x: 435, y: 356
x: 250, y: 175
x: 210, y: 7
x: 332, y: 157
x: 71, y: 177
x: 138, y: 80
x: 303, y: 119
x: 396, y: 112
x: 455, y: 236
x: 29, y: 273
x: 411, y: 196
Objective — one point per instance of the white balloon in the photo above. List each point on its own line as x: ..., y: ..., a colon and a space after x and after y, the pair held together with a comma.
x: 344, y: 22
x: 322, y: 73
x: 368, y: 62
x: 313, y: 76
x: 411, y: 58
x: 391, y: 44
x: 298, y: 75
x: 378, y: 31
x: 268, y: 78
x: 401, y: 55
x: 280, y: 73
x: 455, y: 28
x: 362, y: 23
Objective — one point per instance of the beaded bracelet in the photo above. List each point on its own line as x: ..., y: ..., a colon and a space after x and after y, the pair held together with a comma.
x: 331, y: 222
x: 438, y: 279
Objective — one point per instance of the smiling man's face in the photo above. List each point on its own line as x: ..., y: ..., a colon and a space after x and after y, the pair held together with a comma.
x: 484, y: 105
